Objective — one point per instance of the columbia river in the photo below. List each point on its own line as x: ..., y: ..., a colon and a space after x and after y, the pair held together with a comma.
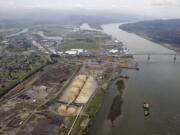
x: 157, y: 82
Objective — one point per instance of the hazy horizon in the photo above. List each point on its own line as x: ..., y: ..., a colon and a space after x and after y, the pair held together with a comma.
x: 150, y: 8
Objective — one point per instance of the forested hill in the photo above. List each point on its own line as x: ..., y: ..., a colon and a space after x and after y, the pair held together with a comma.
x: 162, y: 31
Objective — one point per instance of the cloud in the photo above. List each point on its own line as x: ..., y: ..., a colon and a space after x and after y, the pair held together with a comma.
x: 165, y: 3
x: 77, y: 6
x: 7, y: 3
x: 142, y: 7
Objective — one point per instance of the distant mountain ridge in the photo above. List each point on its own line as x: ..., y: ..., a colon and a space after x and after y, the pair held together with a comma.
x: 161, y: 31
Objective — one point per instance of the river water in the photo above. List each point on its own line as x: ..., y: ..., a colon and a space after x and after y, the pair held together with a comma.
x: 157, y: 82
x: 41, y: 33
x: 18, y: 33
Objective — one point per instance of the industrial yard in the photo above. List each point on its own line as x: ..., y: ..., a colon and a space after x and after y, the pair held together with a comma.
x: 79, y: 67
x: 71, y: 105
x: 70, y: 78
x: 28, y: 96
x: 58, y: 95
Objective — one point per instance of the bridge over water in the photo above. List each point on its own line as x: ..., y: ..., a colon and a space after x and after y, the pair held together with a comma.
x: 150, y: 53
x: 156, y: 54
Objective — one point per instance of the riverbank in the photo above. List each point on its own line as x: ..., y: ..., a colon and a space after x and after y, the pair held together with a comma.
x: 85, y: 121
x: 168, y: 46
x: 41, y: 33
x: 153, y: 83
x: 111, y: 107
x: 155, y: 31
x: 18, y: 33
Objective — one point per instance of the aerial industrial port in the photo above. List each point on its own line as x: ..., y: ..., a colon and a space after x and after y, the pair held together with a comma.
x: 59, y: 80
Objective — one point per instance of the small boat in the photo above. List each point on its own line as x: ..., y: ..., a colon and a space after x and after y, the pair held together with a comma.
x: 146, y: 108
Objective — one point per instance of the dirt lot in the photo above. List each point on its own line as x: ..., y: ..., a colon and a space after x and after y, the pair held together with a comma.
x: 44, y: 123
x: 54, y: 75
x: 18, y: 108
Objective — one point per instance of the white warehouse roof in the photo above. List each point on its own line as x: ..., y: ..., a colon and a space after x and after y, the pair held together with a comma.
x: 71, y: 52
x: 113, y: 51
x: 78, y: 50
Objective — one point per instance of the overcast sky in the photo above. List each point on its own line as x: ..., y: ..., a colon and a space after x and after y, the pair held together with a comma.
x: 162, y: 8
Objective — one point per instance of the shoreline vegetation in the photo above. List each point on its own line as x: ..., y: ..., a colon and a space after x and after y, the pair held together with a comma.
x: 163, y: 32
x: 166, y: 45
x: 116, y: 106
x: 95, y: 103
x: 91, y: 110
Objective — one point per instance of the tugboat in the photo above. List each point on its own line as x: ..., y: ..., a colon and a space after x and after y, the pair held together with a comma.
x: 146, y: 108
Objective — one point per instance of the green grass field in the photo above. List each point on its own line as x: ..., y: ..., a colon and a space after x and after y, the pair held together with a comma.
x: 95, y: 103
x: 20, y: 75
x: 75, y: 44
